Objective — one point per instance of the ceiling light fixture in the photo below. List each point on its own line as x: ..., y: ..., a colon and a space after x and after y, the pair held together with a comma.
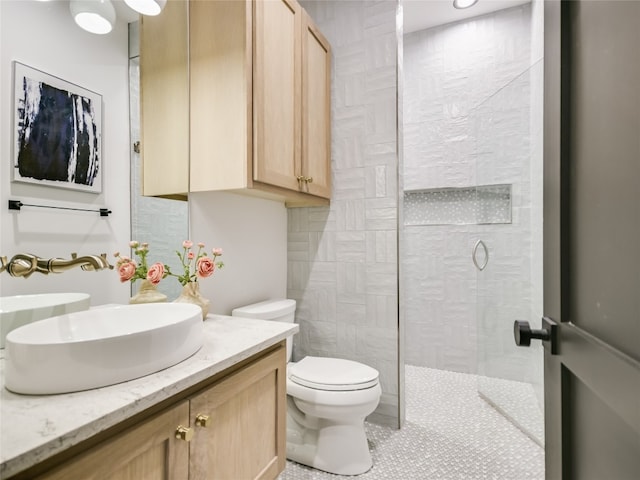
x: 95, y: 16
x: 146, y: 7
x: 464, y: 3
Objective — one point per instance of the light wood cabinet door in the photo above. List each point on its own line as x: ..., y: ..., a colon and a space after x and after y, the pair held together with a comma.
x: 316, y: 110
x: 253, y: 114
x: 164, y: 102
x: 277, y: 90
x: 220, y: 57
x: 148, y: 451
x: 244, y: 438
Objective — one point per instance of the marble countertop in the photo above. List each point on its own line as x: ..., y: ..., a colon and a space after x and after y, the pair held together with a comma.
x: 34, y: 428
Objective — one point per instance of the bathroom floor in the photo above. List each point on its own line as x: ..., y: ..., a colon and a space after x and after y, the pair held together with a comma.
x: 450, y: 433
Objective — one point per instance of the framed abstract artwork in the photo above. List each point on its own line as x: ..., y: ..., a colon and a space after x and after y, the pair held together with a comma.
x: 57, y: 132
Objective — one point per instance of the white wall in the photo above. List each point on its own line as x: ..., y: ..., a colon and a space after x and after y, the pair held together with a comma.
x: 343, y: 259
x: 252, y: 233
x: 44, y: 36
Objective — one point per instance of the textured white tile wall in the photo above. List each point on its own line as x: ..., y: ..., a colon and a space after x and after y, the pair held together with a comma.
x: 343, y: 264
x: 449, y: 71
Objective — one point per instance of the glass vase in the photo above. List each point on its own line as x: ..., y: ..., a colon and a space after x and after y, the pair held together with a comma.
x: 191, y: 294
x: 148, y: 293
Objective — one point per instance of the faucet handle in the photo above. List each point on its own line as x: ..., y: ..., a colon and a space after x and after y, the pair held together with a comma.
x: 106, y: 262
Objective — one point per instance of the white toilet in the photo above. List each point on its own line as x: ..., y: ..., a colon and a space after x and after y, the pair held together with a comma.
x: 328, y: 400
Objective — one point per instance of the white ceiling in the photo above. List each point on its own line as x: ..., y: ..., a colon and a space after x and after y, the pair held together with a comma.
x: 421, y: 14
x: 418, y: 14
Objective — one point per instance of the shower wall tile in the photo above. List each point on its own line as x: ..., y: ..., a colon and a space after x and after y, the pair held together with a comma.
x: 350, y: 215
x: 322, y: 246
x: 449, y: 71
x: 346, y: 282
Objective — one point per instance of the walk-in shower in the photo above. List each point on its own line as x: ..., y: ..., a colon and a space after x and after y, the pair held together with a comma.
x: 471, y: 222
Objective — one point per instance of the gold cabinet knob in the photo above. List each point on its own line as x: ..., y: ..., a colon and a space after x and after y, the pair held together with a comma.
x: 184, y: 433
x: 300, y: 178
x: 308, y: 179
x: 202, y: 420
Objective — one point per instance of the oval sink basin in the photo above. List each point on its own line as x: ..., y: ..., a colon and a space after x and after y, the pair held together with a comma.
x: 21, y: 310
x: 100, y: 347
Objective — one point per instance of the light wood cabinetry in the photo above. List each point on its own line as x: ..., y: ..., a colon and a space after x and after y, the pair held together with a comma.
x: 277, y: 93
x: 316, y: 109
x: 259, y: 109
x: 235, y: 429
x: 164, y: 102
x: 147, y: 451
x: 247, y: 435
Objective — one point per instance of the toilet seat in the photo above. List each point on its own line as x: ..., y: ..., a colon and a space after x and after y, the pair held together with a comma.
x: 332, y: 374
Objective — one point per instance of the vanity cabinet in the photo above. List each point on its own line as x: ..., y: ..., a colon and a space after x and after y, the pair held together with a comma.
x: 241, y: 433
x: 148, y: 450
x: 259, y: 100
x: 232, y: 428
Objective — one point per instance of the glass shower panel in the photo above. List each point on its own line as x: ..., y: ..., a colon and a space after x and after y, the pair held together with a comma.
x: 508, y: 255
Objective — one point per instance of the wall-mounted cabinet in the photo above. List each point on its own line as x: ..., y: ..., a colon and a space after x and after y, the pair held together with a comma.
x: 164, y: 102
x: 259, y: 102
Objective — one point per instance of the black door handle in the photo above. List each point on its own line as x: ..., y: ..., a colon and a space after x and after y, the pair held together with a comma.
x: 523, y: 333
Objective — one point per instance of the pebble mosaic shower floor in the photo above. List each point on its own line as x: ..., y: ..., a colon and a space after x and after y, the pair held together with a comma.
x: 450, y: 433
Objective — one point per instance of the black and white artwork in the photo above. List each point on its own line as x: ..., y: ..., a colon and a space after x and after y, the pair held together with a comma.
x: 58, y: 132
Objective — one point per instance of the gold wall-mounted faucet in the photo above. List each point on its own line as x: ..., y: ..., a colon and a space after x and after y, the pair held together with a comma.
x: 24, y: 264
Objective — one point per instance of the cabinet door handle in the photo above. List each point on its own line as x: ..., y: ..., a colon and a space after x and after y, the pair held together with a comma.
x: 202, y: 420
x: 184, y: 433
x: 302, y: 178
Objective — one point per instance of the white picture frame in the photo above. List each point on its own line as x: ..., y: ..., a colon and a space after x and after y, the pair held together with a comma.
x: 57, y: 132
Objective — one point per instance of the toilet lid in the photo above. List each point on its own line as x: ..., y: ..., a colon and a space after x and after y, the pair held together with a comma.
x: 334, y: 374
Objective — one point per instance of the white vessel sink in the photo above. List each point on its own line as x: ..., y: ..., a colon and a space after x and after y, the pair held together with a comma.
x: 20, y: 310
x: 100, y: 347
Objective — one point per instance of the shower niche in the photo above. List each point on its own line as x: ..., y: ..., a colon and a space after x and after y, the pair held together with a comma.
x: 482, y: 204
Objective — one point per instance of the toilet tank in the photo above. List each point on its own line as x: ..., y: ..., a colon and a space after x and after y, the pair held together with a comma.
x: 275, y: 310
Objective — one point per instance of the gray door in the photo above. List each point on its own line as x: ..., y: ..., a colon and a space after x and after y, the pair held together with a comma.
x: 592, y: 238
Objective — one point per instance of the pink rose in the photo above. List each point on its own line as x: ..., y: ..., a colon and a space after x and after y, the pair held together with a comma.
x: 155, y: 273
x: 127, y: 270
x: 191, y: 255
x: 205, y: 267
x: 187, y: 244
x: 200, y: 244
x: 217, y: 252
